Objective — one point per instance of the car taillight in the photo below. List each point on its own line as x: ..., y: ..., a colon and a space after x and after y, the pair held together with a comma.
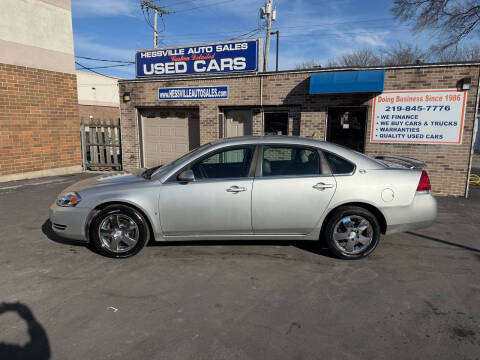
x: 424, y: 183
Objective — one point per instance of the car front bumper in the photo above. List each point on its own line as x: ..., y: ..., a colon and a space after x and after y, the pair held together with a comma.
x: 421, y: 213
x: 69, y: 222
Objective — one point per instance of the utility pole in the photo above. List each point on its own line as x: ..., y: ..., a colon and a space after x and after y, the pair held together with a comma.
x: 155, y: 32
x: 268, y: 11
x: 156, y: 9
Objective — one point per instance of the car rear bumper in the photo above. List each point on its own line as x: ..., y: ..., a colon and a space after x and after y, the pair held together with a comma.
x: 69, y: 222
x: 421, y: 213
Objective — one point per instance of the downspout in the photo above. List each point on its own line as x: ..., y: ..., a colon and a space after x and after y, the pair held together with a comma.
x: 261, y: 104
x: 140, y: 139
x: 474, y: 134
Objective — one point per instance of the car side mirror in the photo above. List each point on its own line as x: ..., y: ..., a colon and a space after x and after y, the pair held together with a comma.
x: 187, y: 176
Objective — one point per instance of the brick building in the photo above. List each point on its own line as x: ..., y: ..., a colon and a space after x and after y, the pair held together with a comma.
x: 290, y: 103
x: 39, y: 126
x: 97, y: 96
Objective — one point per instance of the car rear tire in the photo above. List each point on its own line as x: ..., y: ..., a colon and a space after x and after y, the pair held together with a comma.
x: 351, y: 232
x: 119, y: 231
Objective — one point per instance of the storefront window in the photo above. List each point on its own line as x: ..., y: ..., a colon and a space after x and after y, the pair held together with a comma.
x: 276, y: 123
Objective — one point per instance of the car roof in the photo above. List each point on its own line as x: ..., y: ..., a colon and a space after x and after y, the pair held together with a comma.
x: 361, y: 160
x: 268, y: 139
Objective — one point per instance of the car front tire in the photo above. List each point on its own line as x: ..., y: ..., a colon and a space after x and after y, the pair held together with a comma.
x: 351, y: 232
x: 119, y: 231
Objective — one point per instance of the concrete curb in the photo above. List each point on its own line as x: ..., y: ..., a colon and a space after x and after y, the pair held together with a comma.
x: 42, y: 173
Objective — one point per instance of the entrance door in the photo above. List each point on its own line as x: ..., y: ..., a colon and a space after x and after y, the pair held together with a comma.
x: 238, y: 123
x: 168, y: 134
x: 346, y: 126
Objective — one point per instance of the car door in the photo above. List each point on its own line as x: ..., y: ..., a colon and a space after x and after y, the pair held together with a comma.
x: 291, y: 190
x: 218, y: 202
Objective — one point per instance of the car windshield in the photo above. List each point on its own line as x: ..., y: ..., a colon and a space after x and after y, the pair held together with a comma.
x: 160, y: 169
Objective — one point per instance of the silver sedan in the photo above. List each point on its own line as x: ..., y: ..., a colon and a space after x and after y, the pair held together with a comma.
x: 253, y: 188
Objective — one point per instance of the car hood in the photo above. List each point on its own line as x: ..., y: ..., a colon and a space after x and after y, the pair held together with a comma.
x: 119, y: 178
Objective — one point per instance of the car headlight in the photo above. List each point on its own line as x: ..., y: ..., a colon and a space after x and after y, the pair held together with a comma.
x: 68, y: 199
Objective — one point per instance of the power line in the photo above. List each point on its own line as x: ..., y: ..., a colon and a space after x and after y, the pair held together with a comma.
x: 208, y: 9
x: 339, y: 34
x: 96, y: 59
x: 283, y: 29
x: 337, y: 23
x: 197, y: 34
x: 93, y: 71
x: 177, y: 3
x: 249, y: 33
x: 110, y: 66
x: 200, y: 7
x: 286, y: 34
x: 147, y: 20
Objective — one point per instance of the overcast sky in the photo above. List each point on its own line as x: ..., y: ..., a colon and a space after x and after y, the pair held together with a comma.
x: 309, y: 29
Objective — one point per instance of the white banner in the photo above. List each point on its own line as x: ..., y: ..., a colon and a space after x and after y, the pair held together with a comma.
x: 418, y: 117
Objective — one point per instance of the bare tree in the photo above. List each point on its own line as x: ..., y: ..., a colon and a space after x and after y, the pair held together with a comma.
x: 396, y: 54
x: 331, y: 63
x: 459, y: 53
x: 399, y: 54
x: 310, y: 64
x: 362, y: 57
x: 452, y: 20
x: 403, y: 53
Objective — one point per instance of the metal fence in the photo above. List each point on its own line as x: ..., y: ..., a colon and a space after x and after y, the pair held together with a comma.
x: 101, y: 147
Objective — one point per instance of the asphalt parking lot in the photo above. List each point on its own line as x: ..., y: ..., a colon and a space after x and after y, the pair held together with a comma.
x: 416, y: 297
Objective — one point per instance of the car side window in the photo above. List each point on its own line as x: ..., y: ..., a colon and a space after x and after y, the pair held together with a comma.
x: 290, y: 161
x: 338, y: 164
x: 224, y: 164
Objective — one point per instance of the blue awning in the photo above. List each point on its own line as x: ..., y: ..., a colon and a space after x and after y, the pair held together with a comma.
x: 338, y: 82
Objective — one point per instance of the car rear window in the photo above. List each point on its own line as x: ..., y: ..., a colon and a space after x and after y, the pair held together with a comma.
x: 339, y: 165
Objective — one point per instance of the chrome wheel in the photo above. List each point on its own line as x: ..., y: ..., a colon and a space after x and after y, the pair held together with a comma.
x: 353, y: 234
x: 118, y: 233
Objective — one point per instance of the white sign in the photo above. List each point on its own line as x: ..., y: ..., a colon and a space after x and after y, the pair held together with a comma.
x: 418, y: 116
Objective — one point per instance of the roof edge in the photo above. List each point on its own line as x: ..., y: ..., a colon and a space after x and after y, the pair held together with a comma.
x: 301, y: 71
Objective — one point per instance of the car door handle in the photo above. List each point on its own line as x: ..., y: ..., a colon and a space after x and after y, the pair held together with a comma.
x: 236, y: 189
x: 322, y: 186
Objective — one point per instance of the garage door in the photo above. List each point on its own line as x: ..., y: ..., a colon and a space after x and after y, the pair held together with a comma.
x: 168, y: 134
